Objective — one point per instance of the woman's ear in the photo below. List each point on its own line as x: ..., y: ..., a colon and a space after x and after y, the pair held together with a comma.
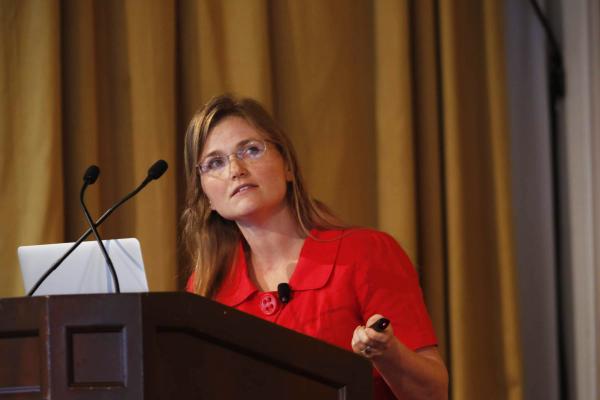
x: 289, y: 176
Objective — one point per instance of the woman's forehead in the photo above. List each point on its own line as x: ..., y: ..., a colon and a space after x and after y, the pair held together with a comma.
x: 229, y: 133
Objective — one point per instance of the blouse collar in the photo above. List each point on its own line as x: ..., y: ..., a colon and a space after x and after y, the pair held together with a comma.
x: 315, y: 265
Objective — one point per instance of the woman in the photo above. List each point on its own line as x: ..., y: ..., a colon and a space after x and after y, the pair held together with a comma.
x: 250, y: 225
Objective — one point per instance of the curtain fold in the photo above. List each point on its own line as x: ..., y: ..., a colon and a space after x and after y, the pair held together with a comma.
x: 397, y: 110
x: 224, y: 47
x: 498, y: 101
x: 432, y: 234
x: 480, y: 255
x: 396, y: 174
x: 119, y: 100
x: 323, y: 70
x: 31, y: 172
x: 151, y: 50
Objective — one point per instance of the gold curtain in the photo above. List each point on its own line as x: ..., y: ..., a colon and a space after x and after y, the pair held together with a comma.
x: 479, y: 255
x: 31, y: 192
x: 397, y: 109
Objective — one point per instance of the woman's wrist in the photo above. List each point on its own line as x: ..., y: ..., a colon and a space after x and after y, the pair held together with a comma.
x: 390, y: 355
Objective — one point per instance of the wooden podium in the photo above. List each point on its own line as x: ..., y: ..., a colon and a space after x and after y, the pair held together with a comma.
x: 163, y: 346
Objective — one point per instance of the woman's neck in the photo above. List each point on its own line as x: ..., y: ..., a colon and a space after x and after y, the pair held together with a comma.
x: 275, y: 247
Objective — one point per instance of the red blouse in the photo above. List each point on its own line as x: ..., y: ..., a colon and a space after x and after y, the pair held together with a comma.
x: 342, y: 278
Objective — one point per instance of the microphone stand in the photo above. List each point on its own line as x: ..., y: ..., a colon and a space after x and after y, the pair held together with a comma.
x: 155, y: 172
x: 86, y: 182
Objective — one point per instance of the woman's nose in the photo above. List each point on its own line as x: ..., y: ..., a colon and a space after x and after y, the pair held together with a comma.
x: 237, y: 168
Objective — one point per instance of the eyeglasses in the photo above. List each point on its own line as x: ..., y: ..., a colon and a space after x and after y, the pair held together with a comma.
x: 215, y: 165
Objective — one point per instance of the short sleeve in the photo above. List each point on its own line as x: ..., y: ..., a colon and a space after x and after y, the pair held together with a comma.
x: 387, y: 283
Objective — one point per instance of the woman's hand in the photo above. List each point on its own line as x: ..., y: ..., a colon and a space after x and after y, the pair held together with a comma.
x: 372, y: 344
x: 410, y: 374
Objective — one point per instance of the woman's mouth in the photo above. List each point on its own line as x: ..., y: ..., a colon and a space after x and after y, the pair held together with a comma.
x: 242, y: 188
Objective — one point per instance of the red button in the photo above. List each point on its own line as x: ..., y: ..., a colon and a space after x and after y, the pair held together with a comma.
x: 268, y: 303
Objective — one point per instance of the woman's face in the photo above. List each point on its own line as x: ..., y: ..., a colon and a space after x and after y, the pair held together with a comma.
x: 246, y: 191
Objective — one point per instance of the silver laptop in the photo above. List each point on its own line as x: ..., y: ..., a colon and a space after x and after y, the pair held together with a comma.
x: 84, y: 270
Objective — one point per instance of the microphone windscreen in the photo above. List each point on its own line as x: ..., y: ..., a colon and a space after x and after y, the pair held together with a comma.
x: 157, y: 169
x: 91, y: 174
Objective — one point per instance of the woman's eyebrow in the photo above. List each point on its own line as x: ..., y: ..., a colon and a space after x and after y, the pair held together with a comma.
x: 212, y: 153
x: 237, y: 146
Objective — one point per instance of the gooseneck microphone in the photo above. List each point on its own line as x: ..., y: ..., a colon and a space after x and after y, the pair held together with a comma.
x: 284, y: 292
x: 154, y: 172
x: 89, y: 178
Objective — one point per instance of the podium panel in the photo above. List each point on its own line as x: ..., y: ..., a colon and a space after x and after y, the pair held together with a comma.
x: 163, y: 346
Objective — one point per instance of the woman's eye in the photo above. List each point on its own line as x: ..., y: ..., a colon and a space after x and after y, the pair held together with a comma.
x: 215, y: 163
x: 252, y: 150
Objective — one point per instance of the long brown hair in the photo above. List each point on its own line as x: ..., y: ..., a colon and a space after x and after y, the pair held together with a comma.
x: 211, y: 240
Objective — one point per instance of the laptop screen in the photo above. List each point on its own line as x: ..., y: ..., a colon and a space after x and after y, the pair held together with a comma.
x: 85, y: 269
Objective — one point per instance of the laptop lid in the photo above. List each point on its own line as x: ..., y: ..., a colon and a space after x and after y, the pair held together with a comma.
x: 84, y: 270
